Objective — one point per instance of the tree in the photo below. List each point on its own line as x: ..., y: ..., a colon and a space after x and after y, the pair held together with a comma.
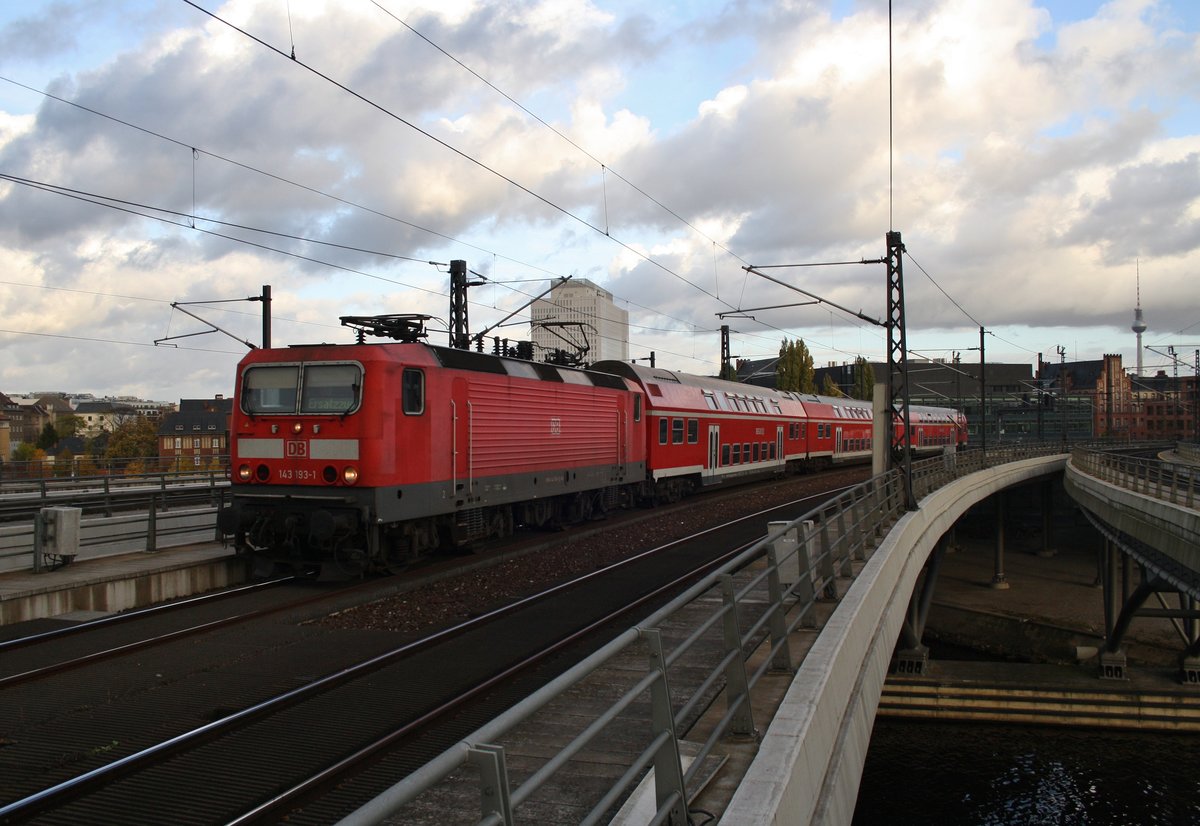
x: 830, y: 387
x: 64, y: 463
x: 794, y: 371
x: 729, y: 372
x: 864, y: 380
x: 28, y: 452
x: 48, y: 437
x: 68, y: 426
x: 135, y: 437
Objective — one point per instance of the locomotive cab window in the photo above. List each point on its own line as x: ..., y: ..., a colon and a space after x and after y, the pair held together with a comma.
x: 270, y: 388
x: 412, y: 392
x: 331, y: 388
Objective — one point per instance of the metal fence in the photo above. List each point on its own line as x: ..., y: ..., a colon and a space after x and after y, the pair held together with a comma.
x: 136, y: 522
x: 1177, y: 484
x: 764, y: 595
x: 1188, y: 451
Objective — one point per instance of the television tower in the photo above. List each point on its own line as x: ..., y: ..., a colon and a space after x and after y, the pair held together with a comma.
x: 1139, y: 323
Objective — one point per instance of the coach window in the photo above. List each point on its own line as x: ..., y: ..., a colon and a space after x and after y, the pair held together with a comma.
x: 772, y: 449
x: 412, y: 392
x: 693, y: 431
x: 724, y: 454
x: 663, y: 425
x: 737, y: 454
x: 755, y: 459
x: 746, y: 452
x: 676, y: 431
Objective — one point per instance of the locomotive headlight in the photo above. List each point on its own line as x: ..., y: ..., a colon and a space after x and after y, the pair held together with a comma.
x: 297, y: 427
x: 350, y: 475
x: 244, y: 473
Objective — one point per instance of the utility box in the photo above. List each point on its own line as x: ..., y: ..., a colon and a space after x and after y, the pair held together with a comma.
x: 60, y: 540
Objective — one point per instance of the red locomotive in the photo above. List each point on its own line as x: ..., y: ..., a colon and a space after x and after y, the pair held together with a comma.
x: 366, y: 456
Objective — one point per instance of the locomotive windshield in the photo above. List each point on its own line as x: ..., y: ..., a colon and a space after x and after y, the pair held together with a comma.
x: 319, y: 388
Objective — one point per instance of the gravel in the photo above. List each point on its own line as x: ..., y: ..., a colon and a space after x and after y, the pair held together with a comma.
x: 449, y: 592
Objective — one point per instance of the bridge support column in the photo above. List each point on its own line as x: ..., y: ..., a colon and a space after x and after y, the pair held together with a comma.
x: 912, y: 656
x: 1048, y: 549
x: 999, y: 578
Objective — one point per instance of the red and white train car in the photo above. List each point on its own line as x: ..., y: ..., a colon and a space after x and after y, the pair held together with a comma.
x: 702, y: 431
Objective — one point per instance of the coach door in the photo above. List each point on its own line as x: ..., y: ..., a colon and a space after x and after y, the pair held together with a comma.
x: 837, y: 441
x: 779, y: 457
x: 714, y: 451
x: 460, y: 439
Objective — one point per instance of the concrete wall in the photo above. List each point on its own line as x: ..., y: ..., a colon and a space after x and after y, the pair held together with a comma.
x: 808, y: 766
x: 1172, y: 529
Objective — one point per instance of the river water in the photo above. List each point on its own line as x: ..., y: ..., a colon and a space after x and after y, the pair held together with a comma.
x: 951, y: 774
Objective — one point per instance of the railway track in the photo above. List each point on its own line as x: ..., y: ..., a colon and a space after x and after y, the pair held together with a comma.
x: 229, y: 730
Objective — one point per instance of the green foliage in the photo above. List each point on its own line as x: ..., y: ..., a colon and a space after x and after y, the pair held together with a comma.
x: 48, y: 437
x: 28, y: 452
x: 830, y: 387
x: 729, y: 372
x: 795, y: 368
x: 135, y: 437
x: 864, y: 380
x: 68, y: 426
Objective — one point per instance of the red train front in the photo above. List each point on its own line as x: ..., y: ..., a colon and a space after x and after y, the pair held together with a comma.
x: 370, y: 455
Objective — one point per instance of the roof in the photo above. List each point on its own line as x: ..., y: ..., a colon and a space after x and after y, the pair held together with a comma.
x: 193, y: 421
x: 103, y: 407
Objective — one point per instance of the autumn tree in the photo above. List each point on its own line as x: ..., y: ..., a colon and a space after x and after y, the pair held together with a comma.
x: 864, y: 380
x: 134, y: 437
x: 794, y: 371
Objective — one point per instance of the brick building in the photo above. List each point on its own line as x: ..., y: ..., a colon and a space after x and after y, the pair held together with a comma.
x: 196, y: 435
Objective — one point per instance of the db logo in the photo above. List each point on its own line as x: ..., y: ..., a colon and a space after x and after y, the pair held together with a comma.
x: 555, y: 426
x: 296, y: 450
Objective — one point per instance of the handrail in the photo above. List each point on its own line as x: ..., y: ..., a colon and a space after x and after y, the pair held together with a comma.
x: 160, y: 521
x: 1177, y: 484
x: 814, y: 549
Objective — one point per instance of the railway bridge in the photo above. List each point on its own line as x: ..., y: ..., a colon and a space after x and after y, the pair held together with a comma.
x: 833, y: 602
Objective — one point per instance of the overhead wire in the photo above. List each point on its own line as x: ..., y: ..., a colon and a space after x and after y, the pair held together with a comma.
x: 606, y: 169
x: 313, y: 190
x: 450, y: 147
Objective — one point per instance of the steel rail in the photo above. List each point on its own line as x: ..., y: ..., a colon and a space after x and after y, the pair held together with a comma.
x: 138, y: 613
x: 74, y: 787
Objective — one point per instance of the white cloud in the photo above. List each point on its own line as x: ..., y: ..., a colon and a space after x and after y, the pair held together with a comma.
x: 1032, y: 162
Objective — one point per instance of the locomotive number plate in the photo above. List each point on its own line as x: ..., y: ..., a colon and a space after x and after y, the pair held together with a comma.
x: 296, y: 449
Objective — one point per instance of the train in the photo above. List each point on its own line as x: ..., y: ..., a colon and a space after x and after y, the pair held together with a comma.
x: 354, y: 458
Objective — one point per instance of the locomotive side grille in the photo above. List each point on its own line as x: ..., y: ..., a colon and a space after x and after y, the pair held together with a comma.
x: 470, y: 522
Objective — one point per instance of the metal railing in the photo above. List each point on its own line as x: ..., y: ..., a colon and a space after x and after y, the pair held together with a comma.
x: 109, y: 494
x: 156, y: 525
x: 699, y: 645
x: 1188, y: 451
x: 1177, y: 484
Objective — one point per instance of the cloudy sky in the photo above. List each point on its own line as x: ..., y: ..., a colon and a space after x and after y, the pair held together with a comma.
x: 1036, y: 157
